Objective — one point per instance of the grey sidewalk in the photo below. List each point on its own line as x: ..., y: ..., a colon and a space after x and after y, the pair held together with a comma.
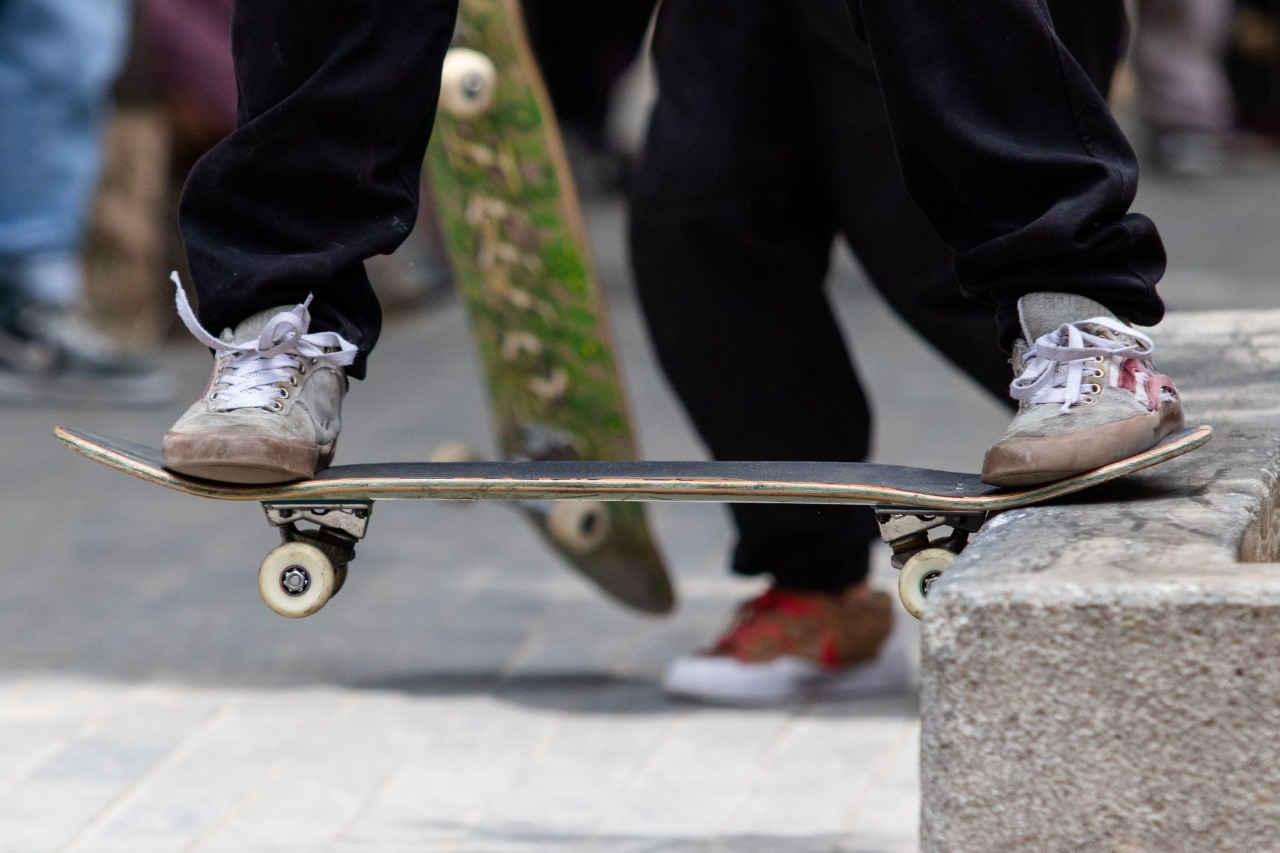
x: 464, y: 692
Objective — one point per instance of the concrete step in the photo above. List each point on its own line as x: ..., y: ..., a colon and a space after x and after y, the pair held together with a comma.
x: 1100, y: 674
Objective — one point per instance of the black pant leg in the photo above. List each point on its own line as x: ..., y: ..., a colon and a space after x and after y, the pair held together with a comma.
x: 583, y: 48
x: 1095, y: 31
x: 1012, y: 154
x: 730, y: 244
x: 337, y: 99
x: 903, y: 256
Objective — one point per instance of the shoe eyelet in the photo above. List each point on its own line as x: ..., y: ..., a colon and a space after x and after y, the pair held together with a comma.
x: 276, y: 406
x: 284, y: 394
x: 293, y: 380
x: 1096, y: 388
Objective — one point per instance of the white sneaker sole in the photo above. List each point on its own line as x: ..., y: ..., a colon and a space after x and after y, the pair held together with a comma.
x: 786, y: 680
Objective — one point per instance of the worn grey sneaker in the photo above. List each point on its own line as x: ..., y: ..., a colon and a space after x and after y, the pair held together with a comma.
x: 53, y: 355
x: 271, y: 412
x: 1087, y: 391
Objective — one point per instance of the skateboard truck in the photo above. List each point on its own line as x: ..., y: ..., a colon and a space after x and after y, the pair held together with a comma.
x: 920, y: 560
x: 308, y: 568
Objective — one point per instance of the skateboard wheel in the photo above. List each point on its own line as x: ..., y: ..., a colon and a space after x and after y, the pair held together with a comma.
x: 578, y: 526
x: 467, y: 83
x: 296, y: 579
x: 455, y: 451
x: 919, y: 574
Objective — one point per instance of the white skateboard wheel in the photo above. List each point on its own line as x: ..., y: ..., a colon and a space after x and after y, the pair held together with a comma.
x: 919, y: 573
x: 579, y: 526
x: 296, y: 579
x: 467, y: 83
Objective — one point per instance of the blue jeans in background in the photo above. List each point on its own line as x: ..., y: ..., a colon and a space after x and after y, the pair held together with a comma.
x: 58, y: 59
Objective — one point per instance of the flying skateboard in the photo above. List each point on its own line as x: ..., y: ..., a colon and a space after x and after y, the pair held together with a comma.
x: 518, y: 248
x: 321, y: 520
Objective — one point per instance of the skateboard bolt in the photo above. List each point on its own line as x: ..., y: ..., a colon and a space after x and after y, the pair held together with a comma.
x: 295, y: 580
x: 926, y: 583
x: 474, y: 85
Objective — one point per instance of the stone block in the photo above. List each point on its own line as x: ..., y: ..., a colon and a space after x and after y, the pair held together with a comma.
x: 1101, y: 674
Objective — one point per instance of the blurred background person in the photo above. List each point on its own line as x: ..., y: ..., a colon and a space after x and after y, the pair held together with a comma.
x: 1184, y: 96
x: 188, y: 48
x: 58, y: 59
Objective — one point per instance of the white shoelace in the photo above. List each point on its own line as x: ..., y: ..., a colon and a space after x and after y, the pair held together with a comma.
x: 1042, y: 380
x: 252, y: 372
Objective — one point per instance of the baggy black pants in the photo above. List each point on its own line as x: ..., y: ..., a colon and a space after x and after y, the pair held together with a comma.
x: 1004, y: 145
x: 337, y: 100
x: 769, y: 138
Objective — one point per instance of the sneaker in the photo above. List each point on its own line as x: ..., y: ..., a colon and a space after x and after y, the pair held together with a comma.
x: 787, y: 646
x: 50, y: 354
x: 271, y: 412
x: 1088, y: 394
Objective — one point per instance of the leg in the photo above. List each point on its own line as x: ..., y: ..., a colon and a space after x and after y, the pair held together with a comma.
x: 730, y: 247
x: 57, y: 63
x: 1096, y: 32
x: 730, y: 240
x: 337, y: 100
x: 1010, y: 151
x: 860, y: 181
x: 583, y: 47
x: 904, y: 258
x: 337, y: 103
x: 1012, y: 154
x: 1177, y: 57
x: 1185, y: 99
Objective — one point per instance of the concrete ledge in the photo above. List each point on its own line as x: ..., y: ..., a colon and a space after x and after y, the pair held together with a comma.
x: 1104, y: 674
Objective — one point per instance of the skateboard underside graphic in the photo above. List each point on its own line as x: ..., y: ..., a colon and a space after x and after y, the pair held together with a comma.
x: 524, y: 273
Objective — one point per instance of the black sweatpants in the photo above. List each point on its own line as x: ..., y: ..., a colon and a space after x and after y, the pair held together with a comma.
x: 770, y: 138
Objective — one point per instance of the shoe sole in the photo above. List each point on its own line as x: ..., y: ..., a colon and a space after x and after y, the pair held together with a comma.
x: 722, y: 680
x: 1043, y: 459
x: 242, y: 458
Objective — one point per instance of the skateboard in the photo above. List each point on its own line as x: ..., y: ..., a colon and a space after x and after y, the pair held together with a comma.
x: 321, y: 520
x: 517, y: 244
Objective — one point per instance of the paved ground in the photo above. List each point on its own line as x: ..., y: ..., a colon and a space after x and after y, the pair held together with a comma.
x: 464, y: 693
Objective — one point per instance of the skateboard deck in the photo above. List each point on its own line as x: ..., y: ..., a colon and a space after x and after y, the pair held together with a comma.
x: 909, y: 502
x: 517, y: 244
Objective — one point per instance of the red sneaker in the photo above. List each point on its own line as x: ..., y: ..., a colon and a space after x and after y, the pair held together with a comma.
x: 789, y: 646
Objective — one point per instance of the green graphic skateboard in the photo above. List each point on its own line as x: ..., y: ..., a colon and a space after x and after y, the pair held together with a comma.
x: 519, y: 252
x: 300, y: 575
